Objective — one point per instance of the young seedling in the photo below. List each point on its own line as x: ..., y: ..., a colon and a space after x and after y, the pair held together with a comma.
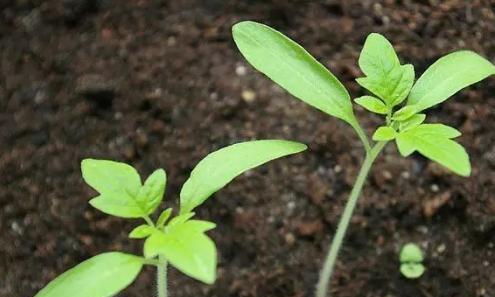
x: 395, y: 96
x: 179, y: 241
x: 411, y: 261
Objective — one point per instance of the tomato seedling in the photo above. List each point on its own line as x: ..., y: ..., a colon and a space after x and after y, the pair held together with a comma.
x: 396, y: 96
x: 180, y: 241
x: 411, y: 261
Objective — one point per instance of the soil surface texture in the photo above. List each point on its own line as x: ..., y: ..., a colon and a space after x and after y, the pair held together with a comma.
x: 161, y: 84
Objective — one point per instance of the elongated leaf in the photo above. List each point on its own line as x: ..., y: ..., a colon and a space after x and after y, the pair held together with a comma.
x: 293, y: 68
x: 412, y: 122
x: 187, y: 248
x: 447, y: 76
x: 384, y: 134
x: 100, y: 276
x: 434, y: 142
x: 162, y: 219
x: 220, y: 167
x: 141, y: 231
x: 118, y: 185
x: 405, y: 113
x: 372, y: 104
x: 151, y: 193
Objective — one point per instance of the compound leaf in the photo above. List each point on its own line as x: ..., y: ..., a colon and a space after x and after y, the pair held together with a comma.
x: 372, y: 104
x: 434, y: 142
x: 118, y: 185
x: 293, y: 68
x: 103, y: 275
x: 385, y: 76
x: 447, y: 76
x: 187, y: 248
x: 220, y: 167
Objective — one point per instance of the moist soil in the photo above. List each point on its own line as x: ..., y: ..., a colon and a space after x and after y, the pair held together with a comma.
x: 161, y: 84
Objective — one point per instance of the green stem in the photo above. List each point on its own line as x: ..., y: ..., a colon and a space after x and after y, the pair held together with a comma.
x: 326, y: 273
x: 361, y: 135
x: 149, y: 221
x: 161, y: 277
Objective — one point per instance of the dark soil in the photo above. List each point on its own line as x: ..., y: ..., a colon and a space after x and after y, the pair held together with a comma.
x: 161, y: 84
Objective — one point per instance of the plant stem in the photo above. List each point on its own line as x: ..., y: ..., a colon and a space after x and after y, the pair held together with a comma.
x: 361, y: 135
x: 326, y: 273
x: 161, y: 277
x: 149, y: 221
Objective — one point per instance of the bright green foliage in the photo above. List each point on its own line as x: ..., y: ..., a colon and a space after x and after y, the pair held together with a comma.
x: 220, y: 167
x: 412, y: 122
x: 384, y: 133
x: 180, y: 241
x: 118, y: 185
x: 385, y: 76
x: 411, y: 258
x: 293, y: 68
x: 141, y: 231
x: 447, y: 76
x: 187, y: 248
x: 372, y: 104
x: 151, y: 193
x: 162, y: 219
x: 434, y: 141
x: 289, y: 65
x: 404, y: 113
x: 101, y: 276
x: 121, y: 192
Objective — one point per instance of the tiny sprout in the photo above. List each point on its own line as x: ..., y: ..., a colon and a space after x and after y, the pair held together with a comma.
x: 411, y: 261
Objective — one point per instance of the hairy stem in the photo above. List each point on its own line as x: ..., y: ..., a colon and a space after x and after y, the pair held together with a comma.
x: 326, y: 272
x: 161, y: 277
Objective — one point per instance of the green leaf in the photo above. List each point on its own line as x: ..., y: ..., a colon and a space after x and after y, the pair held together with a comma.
x: 162, y: 219
x: 180, y: 219
x: 187, y: 248
x: 412, y: 122
x: 404, y: 113
x: 434, y: 142
x: 220, y: 167
x: 411, y: 253
x: 412, y: 270
x: 118, y: 185
x: 384, y: 134
x: 447, y: 76
x: 372, y: 104
x: 151, y: 193
x: 100, y: 276
x: 385, y: 77
x: 378, y: 56
x: 141, y: 231
x: 293, y: 68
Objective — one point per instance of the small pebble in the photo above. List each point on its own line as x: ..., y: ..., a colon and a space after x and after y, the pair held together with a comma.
x: 434, y: 188
x: 290, y: 239
x: 240, y: 70
x: 248, y: 96
x: 441, y: 248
